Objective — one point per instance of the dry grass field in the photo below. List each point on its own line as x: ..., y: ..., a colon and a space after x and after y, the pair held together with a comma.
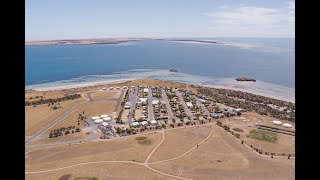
x: 222, y: 157
x: 126, y: 149
x: 110, y: 171
x: 90, y: 109
x: 179, y: 141
x: 106, y: 95
x: 38, y: 117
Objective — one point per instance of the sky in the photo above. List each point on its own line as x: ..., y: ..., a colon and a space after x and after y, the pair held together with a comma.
x: 75, y: 19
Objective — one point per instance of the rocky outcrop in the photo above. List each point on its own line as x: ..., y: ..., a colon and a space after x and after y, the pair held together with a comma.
x: 245, y: 79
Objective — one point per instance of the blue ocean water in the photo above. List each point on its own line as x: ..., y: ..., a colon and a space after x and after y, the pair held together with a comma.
x: 268, y: 60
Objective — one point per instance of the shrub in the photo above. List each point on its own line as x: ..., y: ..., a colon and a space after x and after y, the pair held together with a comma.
x: 237, y: 135
x: 237, y: 129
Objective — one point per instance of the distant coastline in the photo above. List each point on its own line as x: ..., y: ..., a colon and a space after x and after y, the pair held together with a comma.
x: 81, y: 41
x: 107, y: 41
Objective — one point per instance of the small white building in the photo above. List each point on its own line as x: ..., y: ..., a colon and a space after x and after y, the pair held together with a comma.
x: 144, y: 123
x: 118, y: 87
x: 105, y: 124
x: 189, y: 104
x: 276, y: 122
x: 287, y: 125
x: 203, y: 100
x: 154, y: 122
x: 107, y: 119
x: 104, y: 115
x: 145, y: 90
x: 155, y: 101
x: 143, y: 100
x: 134, y: 124
x: 127, y: 105
x: 98, y: 121
x: 238, y: 110
x: 95, y: 117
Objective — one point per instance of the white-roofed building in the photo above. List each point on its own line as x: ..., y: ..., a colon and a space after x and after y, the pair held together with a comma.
x: 287, y: 125
x: 104, y: 115
x: 105, y: 124
x: 107, y: 119
x: 154, y: 122
x: 134, y: 124
x: 95, y: 117
x: 143, y: 100
x: 145, y: 90
x: 189, y: 104
x: 127, y: 105
x: 203, y: 100
x: 155, y: 101
x: 144, y: 123
x: 238, y: 110
x: 98, y: 121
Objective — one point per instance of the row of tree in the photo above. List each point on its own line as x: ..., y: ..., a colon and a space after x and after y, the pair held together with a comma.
x: 52, y: 101
x: 63, y: 131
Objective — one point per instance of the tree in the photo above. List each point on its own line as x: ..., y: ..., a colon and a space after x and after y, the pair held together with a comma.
x: 237, y: 135
x: 50, y: 135
x: 219, y: 123
x: 118, y: 129
x: 77, y: 129
x: 67, y: 132
x: 227, y: 128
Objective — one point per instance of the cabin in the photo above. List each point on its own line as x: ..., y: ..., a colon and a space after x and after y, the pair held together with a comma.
x: 153, y: 122
x: 144, y: 123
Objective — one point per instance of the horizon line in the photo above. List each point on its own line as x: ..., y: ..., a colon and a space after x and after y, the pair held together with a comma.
x: 131, y: 37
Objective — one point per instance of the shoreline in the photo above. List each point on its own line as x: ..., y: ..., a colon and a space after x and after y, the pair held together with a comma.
x: 108, y: 82
x: 252, y: 92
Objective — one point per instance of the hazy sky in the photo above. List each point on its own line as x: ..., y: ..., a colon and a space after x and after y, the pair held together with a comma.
x: 72, y: 19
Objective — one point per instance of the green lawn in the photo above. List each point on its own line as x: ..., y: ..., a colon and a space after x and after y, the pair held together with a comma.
x: 145, y: 141
x: 263, y: 135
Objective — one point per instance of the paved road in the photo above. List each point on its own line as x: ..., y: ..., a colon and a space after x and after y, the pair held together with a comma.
x: 165, y: 98
x: 150, y: 109
x: 183, y: 103
x: 89, y: 96
x: 133, y: 100
x: 116, y: 107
